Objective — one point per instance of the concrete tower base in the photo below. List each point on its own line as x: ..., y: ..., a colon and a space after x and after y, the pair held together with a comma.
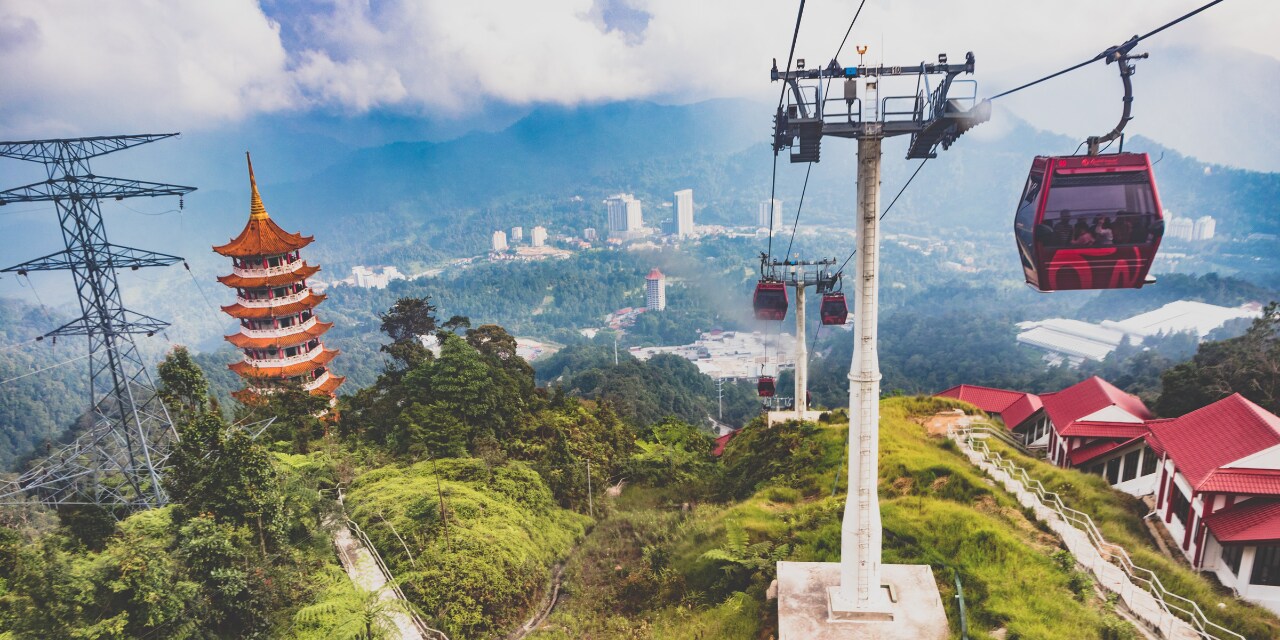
x: 914, y: 609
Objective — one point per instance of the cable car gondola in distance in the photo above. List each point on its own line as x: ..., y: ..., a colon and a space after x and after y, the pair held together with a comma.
x: 765, y: 386
x: 1089, y: 222
x: 770, y: 300
x: 834, y: 309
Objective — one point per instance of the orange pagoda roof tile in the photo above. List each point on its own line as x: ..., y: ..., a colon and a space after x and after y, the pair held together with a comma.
x: 330, y: 386
x: 242, y: 312
x: 246, y: 342
x: 248, y: 370
x: 261, y: 236
x: 251, y: 282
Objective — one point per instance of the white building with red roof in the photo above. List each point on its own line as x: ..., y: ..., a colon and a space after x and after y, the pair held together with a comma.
x: 1219, y: 493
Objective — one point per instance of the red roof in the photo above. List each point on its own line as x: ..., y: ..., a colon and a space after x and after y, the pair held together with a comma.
x: 245, y: 342
x: 1261, y: 482
x: 721, y: 442
x: 1256, y: 520
x: 308, y: 301
x: 985, y: 398
x: 1019, y: 411
x: 1204, y: 440
x: 654, y: 275
x: 248, y: 369
x: 250, y: 282
x: 1104, y: 429
x: 1084, y: 398
x: 1094, y: 449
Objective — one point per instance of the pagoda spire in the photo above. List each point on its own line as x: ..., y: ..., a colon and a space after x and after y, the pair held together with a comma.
x: 257, y: 211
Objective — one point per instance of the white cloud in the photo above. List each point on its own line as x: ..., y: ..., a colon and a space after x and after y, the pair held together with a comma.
x: 79, y: 67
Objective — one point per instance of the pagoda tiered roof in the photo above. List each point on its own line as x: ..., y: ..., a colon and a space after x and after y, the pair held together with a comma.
x: 243, y: 312
x: 274, y: 280
x: 261, y: 236
x: 243, y: 341
x: 248, y: 369
x: 329, y: 386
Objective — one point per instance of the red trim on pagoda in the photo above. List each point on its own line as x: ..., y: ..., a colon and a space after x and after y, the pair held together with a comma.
x: 254, y: 282
x: 330, y: 386
x: 255, y: 368
x: 280, y: 342
x: 242, y: 312
x: 263, y: 238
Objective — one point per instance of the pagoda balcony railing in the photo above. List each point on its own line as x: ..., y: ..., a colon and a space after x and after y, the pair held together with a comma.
x: 284, y: 362
x: 315, y: 384
x: 282, y: 331
x: 269, y: 271
x: 271, y: 302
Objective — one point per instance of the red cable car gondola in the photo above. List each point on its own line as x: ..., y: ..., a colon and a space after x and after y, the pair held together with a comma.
x: 764, y: 386
x: 770, y: 300
x: 834, y: 310
x: 1089, y: 222
x: 1093, y: 221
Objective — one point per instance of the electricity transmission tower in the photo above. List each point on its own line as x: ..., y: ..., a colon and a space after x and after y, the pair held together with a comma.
x: 115, y: 463
x: 933, y: 119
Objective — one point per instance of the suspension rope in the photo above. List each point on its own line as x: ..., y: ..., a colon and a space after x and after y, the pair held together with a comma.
x: 1103, y: 55
x: 52, y: 366
x: 781, y: 95
x: 796, y: 224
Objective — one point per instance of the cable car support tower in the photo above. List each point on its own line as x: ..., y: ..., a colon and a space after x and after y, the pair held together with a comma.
x: 800, y: 275
x: 822, y: 600
x: 116, y: 463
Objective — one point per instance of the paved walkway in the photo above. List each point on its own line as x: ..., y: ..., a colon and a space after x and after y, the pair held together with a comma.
x: 1140, y: 603
x: 364, y: 573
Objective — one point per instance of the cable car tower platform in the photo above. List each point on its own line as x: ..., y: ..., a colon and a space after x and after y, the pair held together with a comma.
x: 859, y: 597
x: 799, y: 275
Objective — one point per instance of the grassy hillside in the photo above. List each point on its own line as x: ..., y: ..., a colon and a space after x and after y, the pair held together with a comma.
x: 653, y: 570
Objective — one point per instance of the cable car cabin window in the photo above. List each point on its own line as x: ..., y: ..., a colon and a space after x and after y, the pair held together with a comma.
x: 1098, y: 210
x: 1025, y: 219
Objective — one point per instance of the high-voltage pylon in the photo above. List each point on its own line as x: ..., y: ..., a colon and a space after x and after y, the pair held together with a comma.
x: 115, y: 463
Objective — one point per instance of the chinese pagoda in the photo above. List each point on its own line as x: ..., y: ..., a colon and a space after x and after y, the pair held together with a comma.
x: 279, y: 330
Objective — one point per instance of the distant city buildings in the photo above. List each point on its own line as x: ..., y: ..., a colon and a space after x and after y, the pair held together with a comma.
x: 770, y: 208
x: 374, y: 277
x: 538, y: 237
x: 732, y: 355
x: 655, y: 291
x: 624, y: 218
x: 499, y: 242
x: 1188, y: 230
x: 589, y: 234
x: 684, y: 213
x: 517, y: 234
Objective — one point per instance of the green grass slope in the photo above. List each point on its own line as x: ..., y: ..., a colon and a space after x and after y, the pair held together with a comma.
x: 652, y: 569
x: 478, y: 577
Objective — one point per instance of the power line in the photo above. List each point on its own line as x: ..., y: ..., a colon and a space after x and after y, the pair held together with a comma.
x: 11, y: 347
x: 52, y: 366
x: 198, y: 287
x: 887, y: 209
x: 1104, y: 54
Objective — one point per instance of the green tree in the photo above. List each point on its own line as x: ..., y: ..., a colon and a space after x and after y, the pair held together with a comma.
x: 347, y: 612
x: 183, y: 387
x: 1248, y: 365
x: 408, y: 320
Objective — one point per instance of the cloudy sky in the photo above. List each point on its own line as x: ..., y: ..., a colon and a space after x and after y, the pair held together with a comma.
x: 71, y: 67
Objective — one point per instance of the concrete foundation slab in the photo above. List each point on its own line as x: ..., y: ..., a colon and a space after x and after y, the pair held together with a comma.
x: 804, y: 611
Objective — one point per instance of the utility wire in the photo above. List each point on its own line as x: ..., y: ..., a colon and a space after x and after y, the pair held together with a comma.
x: 11, y: 347
x: 52, y: 366
x: 198, y: 287
x: 796, y: 224
x: 1103, y: 55
x: 887, y: 209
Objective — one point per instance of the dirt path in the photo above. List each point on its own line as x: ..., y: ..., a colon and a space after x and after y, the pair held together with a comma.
x: 364, y: 573
x: 548, y: 605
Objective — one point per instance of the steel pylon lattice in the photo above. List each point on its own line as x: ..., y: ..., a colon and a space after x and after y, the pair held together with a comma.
x: 116, y: 462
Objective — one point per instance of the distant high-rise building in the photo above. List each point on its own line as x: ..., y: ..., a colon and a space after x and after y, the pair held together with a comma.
x: 655, y: 291
x: 1180, y: 228
x: 684, y: 213
x: 538, y: 237
x: 589, y: 234
x: 762, y: 218
x: 517, y: 234
x: 624, y: 215
x: 1204, y: 228
x: 499, y: 240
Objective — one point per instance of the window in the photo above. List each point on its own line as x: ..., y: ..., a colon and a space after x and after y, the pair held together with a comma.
x: 1181, y: 506
x: 1231, y: 556
x: 1130, y: 465
x: 1149, y: 461
x: 1113, y: 470
x: 1121, y: 202
x: 1266, y: 566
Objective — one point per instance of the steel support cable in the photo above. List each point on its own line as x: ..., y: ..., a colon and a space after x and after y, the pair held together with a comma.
x: 781, y: 95
x: 11, y: 347
x: 796, y: 224
x: 888, y: 208
x: 1103, y: 55
x: 199, y: 288
x: 52, y: 366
